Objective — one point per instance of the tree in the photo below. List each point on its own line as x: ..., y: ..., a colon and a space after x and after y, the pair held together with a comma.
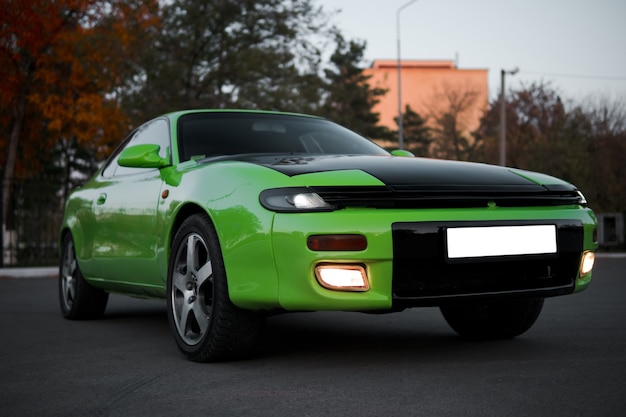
x: 536, y: 118
x: 605, y: 186
x: 350, y: 99
x: 231, y: 53
x: 416, y: 133
x: 582, y: 145
x: 63, y: 63
x: 450, y: 110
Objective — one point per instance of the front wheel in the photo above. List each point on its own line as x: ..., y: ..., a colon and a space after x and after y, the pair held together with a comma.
x: 494, y: 319
x: 78, y: 299
x: 207, y: 326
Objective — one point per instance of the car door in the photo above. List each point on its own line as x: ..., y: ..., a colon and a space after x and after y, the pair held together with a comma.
x: 125, y: 214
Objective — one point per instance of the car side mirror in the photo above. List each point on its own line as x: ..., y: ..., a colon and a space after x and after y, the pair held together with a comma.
x: 142, y: 156
x: 402, y: 152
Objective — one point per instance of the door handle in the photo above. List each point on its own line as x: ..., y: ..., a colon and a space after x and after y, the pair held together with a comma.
x: 102, y: 198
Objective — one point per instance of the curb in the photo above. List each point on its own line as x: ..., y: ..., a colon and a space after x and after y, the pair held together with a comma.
x: 36, y: 272
x: 611, y: 255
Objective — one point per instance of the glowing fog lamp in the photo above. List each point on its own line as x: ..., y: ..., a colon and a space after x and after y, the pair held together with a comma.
x: 342, y: 277
x: 586, y: 264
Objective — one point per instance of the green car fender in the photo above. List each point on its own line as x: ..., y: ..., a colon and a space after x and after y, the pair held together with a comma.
x: 243, y: 226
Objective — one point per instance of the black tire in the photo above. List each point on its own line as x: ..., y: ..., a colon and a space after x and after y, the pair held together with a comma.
x: 494, y: 319
x: 78, y: 299
x: 207, y: 326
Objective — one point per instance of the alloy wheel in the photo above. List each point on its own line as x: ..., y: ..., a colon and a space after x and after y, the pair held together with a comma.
x: 192, y: 289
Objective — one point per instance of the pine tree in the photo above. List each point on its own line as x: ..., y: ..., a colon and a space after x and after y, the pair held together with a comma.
x: 231, y: 54
x: 416, y: 134
x: 350, y: 99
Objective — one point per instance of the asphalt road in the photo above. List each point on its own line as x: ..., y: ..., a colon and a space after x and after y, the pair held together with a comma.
x: 571, y: 363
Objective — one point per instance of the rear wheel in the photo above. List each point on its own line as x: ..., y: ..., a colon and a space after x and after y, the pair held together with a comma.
x: 78, y: 299
x: 492, y: 320
x: 207, y: 326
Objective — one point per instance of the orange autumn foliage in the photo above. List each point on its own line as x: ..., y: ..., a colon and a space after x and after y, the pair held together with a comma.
x: 63, y: 63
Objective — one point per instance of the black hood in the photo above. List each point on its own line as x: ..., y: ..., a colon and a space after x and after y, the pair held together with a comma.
x: 405, y: 173
x: 420, y: 182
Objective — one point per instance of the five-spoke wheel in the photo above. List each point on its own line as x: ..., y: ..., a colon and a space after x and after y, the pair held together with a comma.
x: 78, y: 299
x: 192, y: 289
x: 205, y: 323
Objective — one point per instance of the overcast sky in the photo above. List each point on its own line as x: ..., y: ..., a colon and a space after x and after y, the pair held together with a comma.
x: 579, y: 46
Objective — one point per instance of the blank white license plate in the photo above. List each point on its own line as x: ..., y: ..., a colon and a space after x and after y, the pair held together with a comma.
x: 476, y: 242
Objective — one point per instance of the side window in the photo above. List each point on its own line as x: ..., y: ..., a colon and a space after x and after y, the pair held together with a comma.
x: 154, y: 132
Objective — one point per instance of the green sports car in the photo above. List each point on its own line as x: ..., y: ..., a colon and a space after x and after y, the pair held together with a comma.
x: 233, y: 215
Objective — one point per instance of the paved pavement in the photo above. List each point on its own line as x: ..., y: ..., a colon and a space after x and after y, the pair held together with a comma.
x: 571, y: 363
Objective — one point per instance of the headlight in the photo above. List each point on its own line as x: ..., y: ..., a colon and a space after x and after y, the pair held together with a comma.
x: 285, y: 200
x: 581, y: 199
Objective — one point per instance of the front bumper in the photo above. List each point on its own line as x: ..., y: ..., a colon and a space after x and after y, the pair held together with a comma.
x: 405, y: 263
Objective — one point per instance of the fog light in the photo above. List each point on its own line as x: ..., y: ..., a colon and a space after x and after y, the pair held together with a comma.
x: 586, y: 264
x: 342, y: 277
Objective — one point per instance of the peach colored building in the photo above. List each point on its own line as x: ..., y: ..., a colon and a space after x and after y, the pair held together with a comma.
x: 431, y: 88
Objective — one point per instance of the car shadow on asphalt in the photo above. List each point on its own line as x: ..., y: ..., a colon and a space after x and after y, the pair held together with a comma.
x: 395, y: 337
x: 337, y: 336
x: 124, y: 307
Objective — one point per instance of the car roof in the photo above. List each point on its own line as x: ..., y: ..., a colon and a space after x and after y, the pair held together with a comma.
x: 177, y: 114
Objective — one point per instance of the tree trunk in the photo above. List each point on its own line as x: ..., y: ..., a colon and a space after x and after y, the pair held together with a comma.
x: 14, y: 138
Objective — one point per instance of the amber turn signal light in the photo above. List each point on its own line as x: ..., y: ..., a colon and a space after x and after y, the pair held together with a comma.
x: 336, y: 242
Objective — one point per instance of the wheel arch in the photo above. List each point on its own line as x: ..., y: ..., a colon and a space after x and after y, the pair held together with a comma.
x: 184, y: 211
x: 77, y: 237
x: 251, y: 287
x: 62, y: 233
x: 187, y: 210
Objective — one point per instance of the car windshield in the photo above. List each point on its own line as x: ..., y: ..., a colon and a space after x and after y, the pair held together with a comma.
x: 210, y: 134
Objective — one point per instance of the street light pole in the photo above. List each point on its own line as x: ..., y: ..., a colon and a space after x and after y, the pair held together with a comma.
x: 503, y: 114
x: 400, y: 123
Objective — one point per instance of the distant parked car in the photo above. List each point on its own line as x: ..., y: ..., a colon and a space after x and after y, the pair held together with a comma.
x: 232, y: 215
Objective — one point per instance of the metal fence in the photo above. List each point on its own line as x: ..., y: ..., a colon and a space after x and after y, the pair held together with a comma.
x: 30, y: 232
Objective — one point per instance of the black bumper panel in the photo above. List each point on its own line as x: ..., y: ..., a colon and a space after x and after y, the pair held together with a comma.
x: 422, y: 274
